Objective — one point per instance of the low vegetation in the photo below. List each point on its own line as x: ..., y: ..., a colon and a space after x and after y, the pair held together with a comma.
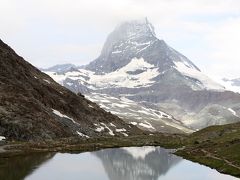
x: 80, y: 145
x: 216, y: 146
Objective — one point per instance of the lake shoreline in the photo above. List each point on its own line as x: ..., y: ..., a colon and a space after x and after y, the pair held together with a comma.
x: 76, y: 145
x: 92, y: 144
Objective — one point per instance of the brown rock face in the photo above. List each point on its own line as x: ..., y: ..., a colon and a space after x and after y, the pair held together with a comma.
x: 29, y: 98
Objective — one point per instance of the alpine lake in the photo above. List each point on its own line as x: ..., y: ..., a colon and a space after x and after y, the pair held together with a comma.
x: 130, y: 163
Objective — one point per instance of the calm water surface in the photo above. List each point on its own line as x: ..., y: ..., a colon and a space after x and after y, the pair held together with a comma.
x: 134, y: 163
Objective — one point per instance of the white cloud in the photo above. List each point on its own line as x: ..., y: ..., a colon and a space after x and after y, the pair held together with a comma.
x: 224, y: 41
x: 47, y: 32
x: 10, y: 20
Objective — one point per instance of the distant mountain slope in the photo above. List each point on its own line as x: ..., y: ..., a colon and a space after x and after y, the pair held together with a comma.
x: 60, y: 68
x: 135, y: 64
x: 136, y: 114
x: 232, y: 84
x: 35, y: 107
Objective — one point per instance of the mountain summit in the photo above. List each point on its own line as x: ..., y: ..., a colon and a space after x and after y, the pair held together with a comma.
x: 135, y: 65
x: 133, y: 33
x: 135, y: 39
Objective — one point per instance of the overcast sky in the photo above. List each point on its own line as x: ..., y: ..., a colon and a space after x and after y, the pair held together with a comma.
x: 49, y: 32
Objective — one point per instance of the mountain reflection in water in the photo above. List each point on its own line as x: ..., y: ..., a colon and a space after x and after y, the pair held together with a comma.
x: 145, y: 163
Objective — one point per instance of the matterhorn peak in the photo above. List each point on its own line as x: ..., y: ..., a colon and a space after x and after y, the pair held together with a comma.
x: 129, y: 33
x: 136, y: 39
x: 140, y: 27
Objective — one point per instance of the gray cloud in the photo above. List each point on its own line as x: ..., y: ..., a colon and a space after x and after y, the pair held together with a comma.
x: 48, y: 32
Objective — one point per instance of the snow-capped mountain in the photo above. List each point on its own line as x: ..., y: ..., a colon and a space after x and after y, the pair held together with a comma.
x: 138, y: 66
x: 232, y: 84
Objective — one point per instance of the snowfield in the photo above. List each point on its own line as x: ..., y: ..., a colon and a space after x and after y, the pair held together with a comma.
x: 188, y: 70
x: 137, y: 73
x: 119, y: 78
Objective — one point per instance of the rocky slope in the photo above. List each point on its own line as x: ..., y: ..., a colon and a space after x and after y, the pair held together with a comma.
x: 146, y: 118
x: 136, y: 65
x: 34, y: 107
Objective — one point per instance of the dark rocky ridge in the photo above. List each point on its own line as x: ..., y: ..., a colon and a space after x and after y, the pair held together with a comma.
x: 27, y: 100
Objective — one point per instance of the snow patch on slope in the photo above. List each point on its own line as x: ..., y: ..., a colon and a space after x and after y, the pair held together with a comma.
x: 56, y: 112
x: 121, y: 130
x: 191, y: 72
x: 146, y: 125
x: 233, y: 112
x: 82, y: 135
x: 47, y: 81
x: 99, y: 129
x: 2, y: 138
